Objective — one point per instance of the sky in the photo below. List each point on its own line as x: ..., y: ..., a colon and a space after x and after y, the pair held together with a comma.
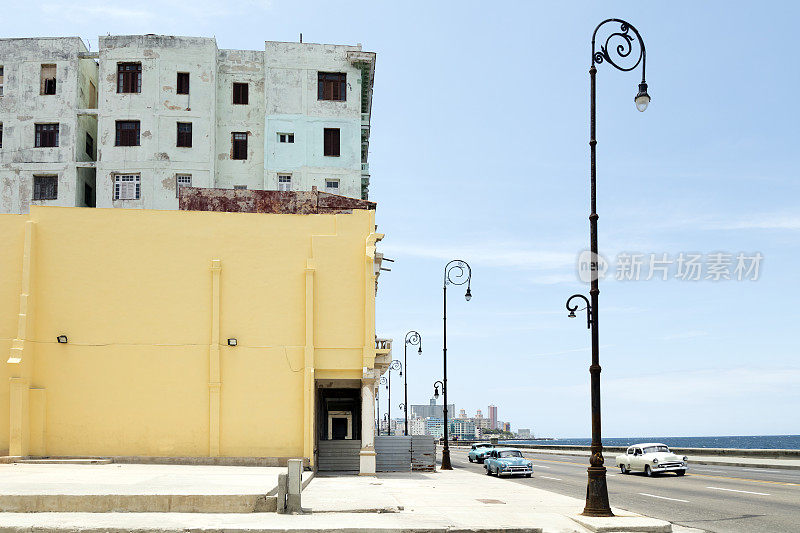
x: 479, y: 151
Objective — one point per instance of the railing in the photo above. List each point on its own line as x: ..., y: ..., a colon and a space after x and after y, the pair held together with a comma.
x: 365, y: 119
x: 383, y: 344
x: 365, y: 169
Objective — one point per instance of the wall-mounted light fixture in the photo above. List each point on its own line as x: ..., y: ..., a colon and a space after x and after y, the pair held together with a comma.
x: 62, y: 339
x: 232, y: 342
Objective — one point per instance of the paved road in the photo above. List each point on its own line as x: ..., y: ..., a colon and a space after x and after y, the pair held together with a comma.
x: 720, y: 499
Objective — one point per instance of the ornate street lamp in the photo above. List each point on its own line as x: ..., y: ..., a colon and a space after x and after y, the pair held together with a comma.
x: 415, y: 339
x: 456, y: 272
x: 383, y: 381
x: 394, y: 365
x: 436, y: 386
x: 617, y: 51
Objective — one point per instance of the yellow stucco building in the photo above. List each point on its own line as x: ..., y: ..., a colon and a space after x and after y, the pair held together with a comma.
x: 188, y: 334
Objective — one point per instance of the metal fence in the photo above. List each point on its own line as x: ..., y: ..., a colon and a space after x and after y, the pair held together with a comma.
x: 404, y: 454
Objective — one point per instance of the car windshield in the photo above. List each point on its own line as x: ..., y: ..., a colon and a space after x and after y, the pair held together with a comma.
x: 656, y: 449
x: 483, y: 445
x: 511, y: 453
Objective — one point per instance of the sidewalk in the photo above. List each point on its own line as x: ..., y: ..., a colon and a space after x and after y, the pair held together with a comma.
x: 441, y: 502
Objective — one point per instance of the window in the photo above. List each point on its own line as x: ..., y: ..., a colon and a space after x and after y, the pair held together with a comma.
x: 331, y: 142
x: 185, y: 134
x: 45, y: 187
x: 88, y: 195
x: 89, y: 145
x: 47, y: 82
x: 182, y: 180
x: 92, y: 96
x: 183, y: 83
x: 284, y: 182
x: 240, y: 187
x: 239, y: 150
x: 2, y: 80
x: 286, y: 137
x: 240, y: 93
x: 127, y: 187
x: 1, y: 134
x: 46, y: 135
x: 332, y: 86
x: 127, y: 133
x: 129, y: 77
x: 332, y: 186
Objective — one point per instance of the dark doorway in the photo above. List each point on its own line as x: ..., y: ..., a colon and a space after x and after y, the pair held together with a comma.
x: 339, y: 428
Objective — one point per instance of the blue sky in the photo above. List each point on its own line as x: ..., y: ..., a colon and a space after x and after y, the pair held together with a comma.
x: 479, y: 151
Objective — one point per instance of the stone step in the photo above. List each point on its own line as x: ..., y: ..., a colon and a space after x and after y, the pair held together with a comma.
x: 137, y: 503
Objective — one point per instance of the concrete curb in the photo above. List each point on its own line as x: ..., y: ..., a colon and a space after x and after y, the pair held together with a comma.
x: 138, y: 503
x: 637, y: 524
x: 72, y: 529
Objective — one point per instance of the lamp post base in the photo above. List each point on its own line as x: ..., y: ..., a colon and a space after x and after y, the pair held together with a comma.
x: 596, y: 493
x: 446, y: 459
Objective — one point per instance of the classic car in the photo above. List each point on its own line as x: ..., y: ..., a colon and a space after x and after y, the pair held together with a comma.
x: 507, y: 462
x: 479, y: 451
x: 651, y: 458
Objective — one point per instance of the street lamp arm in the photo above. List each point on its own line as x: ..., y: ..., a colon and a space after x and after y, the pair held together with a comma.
x: 457, y: 272
x: 414, y: 339
x: 573, y: 308
x: 622, y: 49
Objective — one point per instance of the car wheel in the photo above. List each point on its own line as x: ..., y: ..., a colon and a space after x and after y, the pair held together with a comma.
x: 680, y: 472
x: 623, y: 469
x: 480, y: 461
x: 488, y: 471
x: 647, y: 471
x: 527, y: 475
x: 470, y: 459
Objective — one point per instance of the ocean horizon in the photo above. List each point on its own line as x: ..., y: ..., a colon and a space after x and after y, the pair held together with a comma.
x: 745, y: 442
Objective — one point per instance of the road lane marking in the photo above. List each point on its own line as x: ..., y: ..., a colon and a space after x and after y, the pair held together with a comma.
x: 742, y: 491
x: 663, y: 497
x: 541, y: 466
x: 553, y: 478
x: 706, y: 470
x: 554, y: 461
x: 750, y: 480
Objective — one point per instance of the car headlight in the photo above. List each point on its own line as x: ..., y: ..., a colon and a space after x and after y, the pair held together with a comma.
x: 530, y: 465
x: 655, y: 461
x: 503, y: 466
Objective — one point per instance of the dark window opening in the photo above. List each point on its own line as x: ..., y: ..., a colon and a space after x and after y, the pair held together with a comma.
x: 1, y: 134
x: 185, y: 134
x: 89, y: 145
x: 88, y: 195
x: 45, y: 187
x: 240, y: 93
x: 46, y: 135
x: 127, y: 133
x: 48, y: 80
x: 239, y: 146
x: 332, y: 86
x: 129, y: 77
x: 183, y: 83
x: 331, y: 142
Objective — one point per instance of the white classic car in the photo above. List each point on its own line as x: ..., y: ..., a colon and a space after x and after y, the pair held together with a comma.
x: 651, y: 458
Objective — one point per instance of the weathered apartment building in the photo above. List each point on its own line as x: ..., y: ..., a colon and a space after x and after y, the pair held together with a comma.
x: 130, y: 124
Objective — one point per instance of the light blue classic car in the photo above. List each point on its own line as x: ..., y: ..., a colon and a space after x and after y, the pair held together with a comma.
x: 507, y: 462
x: 479, y: 451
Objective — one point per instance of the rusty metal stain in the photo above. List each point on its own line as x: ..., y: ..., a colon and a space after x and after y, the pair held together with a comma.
x: 279, y: 202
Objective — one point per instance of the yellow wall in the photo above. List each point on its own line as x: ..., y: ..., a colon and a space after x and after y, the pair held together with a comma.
x: 133, y: 290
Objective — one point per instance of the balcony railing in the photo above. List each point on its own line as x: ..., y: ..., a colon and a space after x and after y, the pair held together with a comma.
x: 384, y: 345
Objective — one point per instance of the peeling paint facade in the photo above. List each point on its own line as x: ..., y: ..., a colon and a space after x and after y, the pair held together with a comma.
x: 23, y: 105
x: 282, y: 98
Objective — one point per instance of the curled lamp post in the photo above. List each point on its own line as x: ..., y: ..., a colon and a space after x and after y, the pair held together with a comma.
x: 383, y: 381
x: 619, y: 51
x: 415, y: 339
x: 394, y: 365
x: 456, y: 272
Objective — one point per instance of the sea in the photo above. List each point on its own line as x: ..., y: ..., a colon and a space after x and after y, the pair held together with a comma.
x: 784, y: 442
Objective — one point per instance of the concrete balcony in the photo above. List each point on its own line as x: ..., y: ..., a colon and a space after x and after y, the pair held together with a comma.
x: 365, y: 169
x: 383, y: 346
x: 365, y: 120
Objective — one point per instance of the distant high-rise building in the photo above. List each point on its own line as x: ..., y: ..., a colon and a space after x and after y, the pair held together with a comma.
x: 432, y: 410
x: 478, y: 414
x: 493, y: 417
x: 462, y: 413
x: 524, y: 433
x: 507, y: 426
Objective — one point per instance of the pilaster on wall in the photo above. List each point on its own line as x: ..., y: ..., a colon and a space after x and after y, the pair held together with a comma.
x: 308, y: 372
x: 20, y: 358
x: 214, y: 381
x: 368, y: 351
